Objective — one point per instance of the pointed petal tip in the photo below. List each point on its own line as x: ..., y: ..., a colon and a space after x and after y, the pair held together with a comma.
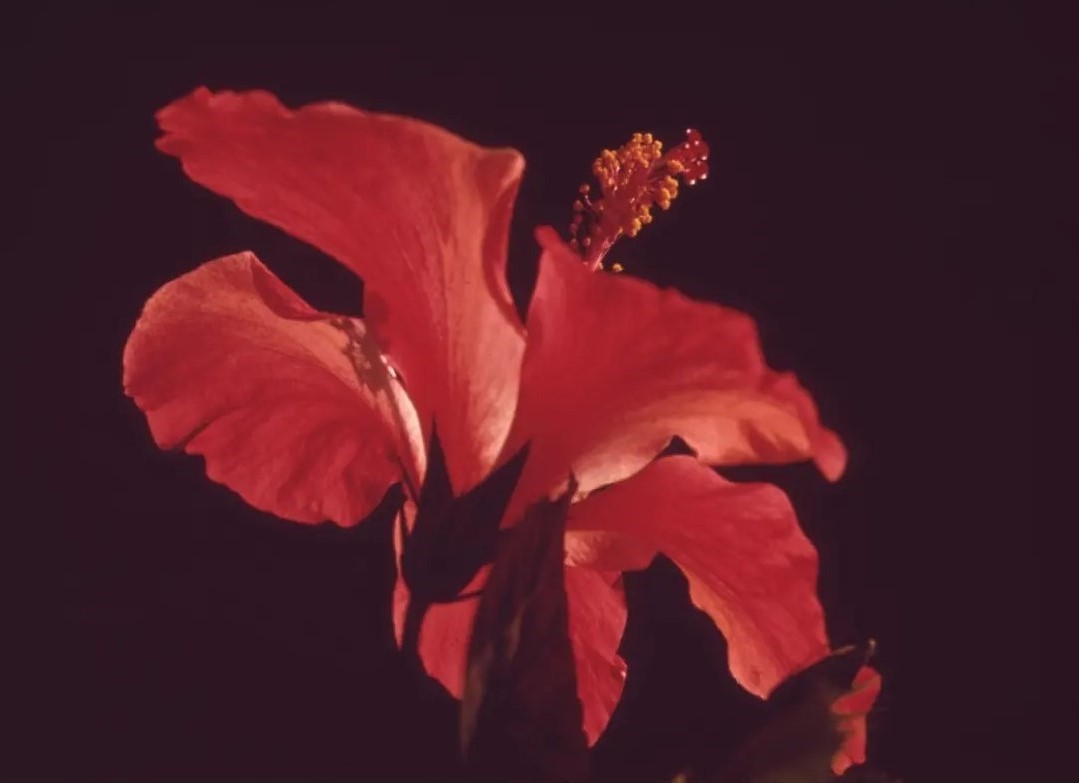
x: 830, y: 456
x: 547, y: 237
x: 728, y: 539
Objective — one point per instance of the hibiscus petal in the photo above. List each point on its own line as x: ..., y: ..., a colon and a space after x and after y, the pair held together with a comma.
x: 299, y: 418
x: 597, y: 619
x: 422, y: 215
x: 852, y: 709
x: 615, y: 367
x: 749, y: 566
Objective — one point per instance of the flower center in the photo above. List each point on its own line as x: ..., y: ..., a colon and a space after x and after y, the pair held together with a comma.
x: 632, y: 180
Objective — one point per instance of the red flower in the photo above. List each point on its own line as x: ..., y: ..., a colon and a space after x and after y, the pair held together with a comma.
x: 311, y: 416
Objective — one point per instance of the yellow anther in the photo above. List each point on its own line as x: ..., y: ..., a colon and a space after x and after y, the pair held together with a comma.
x: 632, y: 180
x: 617, y: 267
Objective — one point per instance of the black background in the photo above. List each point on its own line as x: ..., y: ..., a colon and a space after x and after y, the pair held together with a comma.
x: 885, y: 199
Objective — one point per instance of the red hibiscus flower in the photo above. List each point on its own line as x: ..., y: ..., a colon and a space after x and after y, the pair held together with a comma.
x: 312, y: 416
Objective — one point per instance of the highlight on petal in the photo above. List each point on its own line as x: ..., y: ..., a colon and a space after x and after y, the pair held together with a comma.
x: 851, y: 710
x: 597, y: 617
x: 419, y: 213
x: 748, y: 564
x: 292, y: 408
x: 615, y: 367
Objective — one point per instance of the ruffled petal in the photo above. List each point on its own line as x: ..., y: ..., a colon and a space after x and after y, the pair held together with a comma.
x: 748, y: 564
x: 292, y: 408
x: 615, y: 367
x: 419, y: 213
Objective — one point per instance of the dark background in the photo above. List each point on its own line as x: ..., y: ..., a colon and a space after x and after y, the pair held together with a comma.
x: 886, y: 199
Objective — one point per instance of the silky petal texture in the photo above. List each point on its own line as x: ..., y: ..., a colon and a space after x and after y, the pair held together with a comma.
x: 419, y: 213
x: 228, y: 362
x: 597, y: 619
x: 853, y: 707
x: 748, y: 564
x: 615, y: 367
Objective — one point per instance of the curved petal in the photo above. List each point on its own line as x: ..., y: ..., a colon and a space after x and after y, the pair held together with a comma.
x: 615, y: 367
x: 597, y: 617
x: 748, y: 565
x: 293, y: 409
x: 420, y: 214
x: 597, y: 620
x: 851, y: 710
x: 444, y: 637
